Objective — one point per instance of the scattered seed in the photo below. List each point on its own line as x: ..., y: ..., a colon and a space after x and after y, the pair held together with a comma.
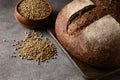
x: 47, y: 61
x: 14, y: 53
x: 14, y: 40
x: 4, y: 40
x: 55, y: 57
x: 26, y: 33
x: 21, y: 40
x: 13, y: 56
x: 13, y: 44
x: 16, y: 49
x: 33, y: 47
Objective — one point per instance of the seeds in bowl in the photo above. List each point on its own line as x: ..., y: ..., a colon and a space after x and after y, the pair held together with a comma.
x: 34, y: 9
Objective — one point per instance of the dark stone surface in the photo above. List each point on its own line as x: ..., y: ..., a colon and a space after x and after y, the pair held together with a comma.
x: 18, y: 69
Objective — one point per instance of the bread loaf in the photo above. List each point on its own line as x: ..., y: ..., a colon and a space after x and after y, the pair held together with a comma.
x: 90, y: 31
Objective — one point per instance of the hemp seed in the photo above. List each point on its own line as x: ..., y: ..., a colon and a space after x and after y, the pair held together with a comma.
x: 4, y: 40
x: 34, y: 47
x: 34, y: 9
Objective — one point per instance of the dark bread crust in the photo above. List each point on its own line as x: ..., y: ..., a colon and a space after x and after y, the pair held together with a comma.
x: 103, y: 8
x: 72, y: 37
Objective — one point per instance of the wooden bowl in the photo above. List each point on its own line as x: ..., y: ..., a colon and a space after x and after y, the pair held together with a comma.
x: 33, y: 23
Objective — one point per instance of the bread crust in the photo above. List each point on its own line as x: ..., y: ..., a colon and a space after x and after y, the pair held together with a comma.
x: 82, y: 35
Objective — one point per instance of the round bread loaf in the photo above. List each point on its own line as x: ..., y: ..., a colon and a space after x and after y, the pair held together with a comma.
x: 90, y: 31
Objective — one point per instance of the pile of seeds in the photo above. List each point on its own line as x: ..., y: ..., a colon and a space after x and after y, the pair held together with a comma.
x: 34, y: 9
x: 34, y: 47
